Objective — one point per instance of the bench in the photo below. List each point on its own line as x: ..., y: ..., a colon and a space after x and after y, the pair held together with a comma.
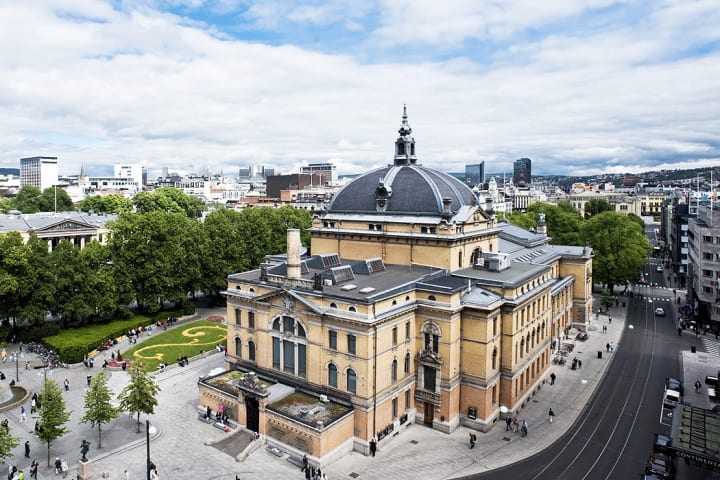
x: 203, y: 418
x: 295, y: 460
x: 275, y: 451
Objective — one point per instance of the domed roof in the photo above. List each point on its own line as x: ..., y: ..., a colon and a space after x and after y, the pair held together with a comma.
x: 404, y: 187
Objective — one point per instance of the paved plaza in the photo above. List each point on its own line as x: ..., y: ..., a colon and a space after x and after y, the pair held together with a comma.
x: 182, y: 446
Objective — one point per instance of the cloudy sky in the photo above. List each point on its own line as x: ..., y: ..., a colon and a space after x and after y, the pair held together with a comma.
x: 579, y: 86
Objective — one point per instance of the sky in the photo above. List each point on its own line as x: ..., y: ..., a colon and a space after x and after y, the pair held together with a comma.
x: 579, y: 86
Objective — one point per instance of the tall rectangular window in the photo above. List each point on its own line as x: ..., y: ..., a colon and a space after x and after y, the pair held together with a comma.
x: 276, y: 353
x: 238, y: 317
x: 333, y: 339
x: 351, y: 344
x: 301, y: 360
x: 251, y: 319
x: 407, y: 399
x: 289, y: 357
x: 407, y: 330
x: 394, y: 408
x: 394, y: 336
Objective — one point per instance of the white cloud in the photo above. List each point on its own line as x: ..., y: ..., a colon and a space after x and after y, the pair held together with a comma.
x: 98, y: 85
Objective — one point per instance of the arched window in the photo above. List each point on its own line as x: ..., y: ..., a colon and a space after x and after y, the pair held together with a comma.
x: 351, y: 381
x: 333, y: 305
x: 431, y: 333
x: 238, y: 347
x: 251, y: 351
x: 494, y: 358
x: 431, y: 298
x: 527, y: 343
x: 393, y: 370
x: 352, y: 309
x: 289, y: 346
x: 522, y: 347
x: 407, y: 363
x: 332, y: 375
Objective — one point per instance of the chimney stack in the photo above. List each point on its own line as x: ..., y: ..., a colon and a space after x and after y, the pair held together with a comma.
x: 293, y: 253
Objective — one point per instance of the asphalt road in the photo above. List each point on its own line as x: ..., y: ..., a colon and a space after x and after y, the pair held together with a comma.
x: 613, y: 437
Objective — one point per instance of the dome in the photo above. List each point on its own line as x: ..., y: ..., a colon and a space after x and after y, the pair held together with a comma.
x: 407, y: 189
x: 404, y: 187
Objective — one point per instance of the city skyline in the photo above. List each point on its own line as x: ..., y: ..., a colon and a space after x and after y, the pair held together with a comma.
x: 589, y: 87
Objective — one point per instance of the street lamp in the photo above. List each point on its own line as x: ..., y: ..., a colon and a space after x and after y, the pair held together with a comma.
x: 149, y: 429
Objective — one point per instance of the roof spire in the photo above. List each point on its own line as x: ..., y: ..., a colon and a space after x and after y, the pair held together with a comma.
x: 405, y: 144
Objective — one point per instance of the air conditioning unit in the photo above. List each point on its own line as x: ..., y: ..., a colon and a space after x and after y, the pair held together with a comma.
x: 324, y: 398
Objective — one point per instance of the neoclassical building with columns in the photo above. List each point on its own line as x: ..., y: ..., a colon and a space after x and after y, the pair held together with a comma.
x: 79, y: 228
x: 411, y: 306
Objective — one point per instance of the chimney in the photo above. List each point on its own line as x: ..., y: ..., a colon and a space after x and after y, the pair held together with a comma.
x: 293, y: 253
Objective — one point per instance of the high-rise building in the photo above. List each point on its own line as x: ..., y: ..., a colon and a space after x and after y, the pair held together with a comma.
x: 132, y: 171
x: 475, y: 174
x: 41, y: 172
x: 522, y: 174
x: 321, y: 173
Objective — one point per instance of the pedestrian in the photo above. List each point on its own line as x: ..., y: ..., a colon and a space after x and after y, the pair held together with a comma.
x: 33, y: 405
x: 373, y: 446
x: 698, y: 386
x: 508, y: 424
x: 516, y: 425
x: 552, y: 378
x: 679, y: 331
x: 551, y: 415
x: 58, y: 465
x: 66, y: 384
x: 472, y: 440
x: 609, y: 319
x: 27, y: 448
x: 89, y: 379
x: 607, y: 347
x: 64, y: 467
x: 34, y: 468
x: 604, y: 328
x: 23, y: 415
x: 154, y: 475
x: 579, y: 363
x: 305, y: 463
x: 524, y: 428
x: 127, y: 475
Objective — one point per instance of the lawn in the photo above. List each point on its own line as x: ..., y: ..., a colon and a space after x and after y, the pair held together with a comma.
x: 182, y: 341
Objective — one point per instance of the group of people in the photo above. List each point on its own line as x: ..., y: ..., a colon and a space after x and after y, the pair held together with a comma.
x: 312, y: 473
x: 183, y: 361
x: 610, y: 347
x: 513, y: 425
x: 61, y: 466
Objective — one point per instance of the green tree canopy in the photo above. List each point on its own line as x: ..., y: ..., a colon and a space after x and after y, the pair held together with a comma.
x: 55, y: 199
x: 562, y: 220
x: 140, y: 394
x: 28, y: 199
x: 106, y: 204
x: 596, y: 206
x: 52, y: 415
x: 620, y: 247
x: 99, y: 408
x: 168, y: 199
x: 7, y: 443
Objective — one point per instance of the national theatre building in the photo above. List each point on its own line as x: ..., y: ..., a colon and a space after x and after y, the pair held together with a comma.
x: 411, y: 306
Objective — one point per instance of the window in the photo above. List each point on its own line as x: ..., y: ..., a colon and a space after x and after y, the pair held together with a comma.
x: 394, y: 408
x: 289, y: 346
x: 351, y: 381
x: 251, y: 319
x: 431, y: 298
x: 238, y: 347
x: 238, y: 317
x: 332, y: 375
x: 407, y: 399
x: 432, y: 342
x: 333, y: 305
x: 393, y: 370
x: 351, y: 344
x: 352, y: 309
x: 407, y: 363
x: 333, y: 340
x: 494, y: 326
x: 251, y: 351
x: 394, y: 336
x: 707, y: 239
x: 429, y: 378
x: 707, y: 273
x: 494, y: 358
x: 407, y: 330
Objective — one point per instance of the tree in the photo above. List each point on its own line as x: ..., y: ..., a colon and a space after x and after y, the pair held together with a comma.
x: 7, y: 443
x: 106, y: 204
x: 140, y: 395
x: 168, y: 199
x: 225, y: 249
x: 596, y: 206
x: 28, y: 199
x: 52, y: 415
x: 99, y: 409
x: 620, y: 247
x: 55, y: 199
x: 36, y: 287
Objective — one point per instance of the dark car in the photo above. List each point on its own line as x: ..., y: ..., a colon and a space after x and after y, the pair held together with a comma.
x: 663, y: 444
x: 674, y: 384
x: 582, y: 336
x: 659, y: 464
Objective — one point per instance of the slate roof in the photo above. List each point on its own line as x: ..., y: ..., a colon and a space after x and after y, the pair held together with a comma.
x: 38, y: 221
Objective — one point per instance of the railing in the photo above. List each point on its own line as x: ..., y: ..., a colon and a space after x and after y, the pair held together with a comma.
x: 427, y: 396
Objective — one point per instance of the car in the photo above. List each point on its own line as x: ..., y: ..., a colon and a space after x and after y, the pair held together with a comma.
x: 659, y: 464
x: 660, y: 312
x: 663, y: 444
x: 674, y: 384
x: 582, y: 336
x: 658, y: 268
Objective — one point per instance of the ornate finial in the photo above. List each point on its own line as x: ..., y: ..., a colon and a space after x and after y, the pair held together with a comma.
x: 405, y: 127
x: 405, y: 144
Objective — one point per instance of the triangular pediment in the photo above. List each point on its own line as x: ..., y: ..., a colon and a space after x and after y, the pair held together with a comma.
x: 67, y: 225
x: 428, y: 356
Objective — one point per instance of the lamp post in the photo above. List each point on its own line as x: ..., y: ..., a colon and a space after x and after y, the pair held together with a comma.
x: 149, y: 429
x: 17, y: 370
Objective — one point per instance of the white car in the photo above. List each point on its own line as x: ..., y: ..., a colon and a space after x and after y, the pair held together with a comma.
x: 660, y: 312
x: 658, y: 268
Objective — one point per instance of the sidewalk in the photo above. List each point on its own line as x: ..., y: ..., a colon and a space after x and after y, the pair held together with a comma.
x: 181, y: 448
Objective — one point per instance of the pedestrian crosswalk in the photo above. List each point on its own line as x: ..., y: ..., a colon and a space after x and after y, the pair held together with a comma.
x: 711, y: 345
